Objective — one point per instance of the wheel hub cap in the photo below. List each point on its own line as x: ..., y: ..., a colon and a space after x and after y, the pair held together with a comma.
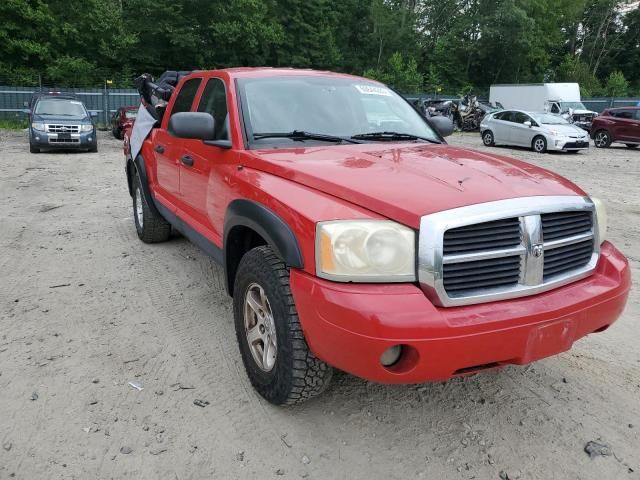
x: 139, y: 207
x: 259, y: 327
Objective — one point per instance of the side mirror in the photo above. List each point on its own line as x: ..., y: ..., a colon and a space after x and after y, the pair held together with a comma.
x: 442, y: 124
x: 528, y: 124
x: 197, y: 125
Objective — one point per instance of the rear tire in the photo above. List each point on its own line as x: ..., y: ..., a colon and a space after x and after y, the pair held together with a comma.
x: 602, y: 139
x: 632, y: 145
x: 488, y: 139
x: 151, y: 227
x: 539, y: 144
x: 266, y: 319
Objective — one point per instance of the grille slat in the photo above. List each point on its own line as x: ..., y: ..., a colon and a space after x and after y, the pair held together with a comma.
x: 483, y: 236
x: 567, y: 258
x: 53, y: 128
x: 467, y: 276
x: 565, y: 224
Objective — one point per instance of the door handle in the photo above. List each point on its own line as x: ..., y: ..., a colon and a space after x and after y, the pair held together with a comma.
x: 187, y: 160
x: 159, y: 148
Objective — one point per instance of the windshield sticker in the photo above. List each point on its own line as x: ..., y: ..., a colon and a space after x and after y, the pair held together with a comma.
x: 373, y: 90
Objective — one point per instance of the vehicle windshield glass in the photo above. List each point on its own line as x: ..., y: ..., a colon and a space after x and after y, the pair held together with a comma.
x: 573, y: 105
x: 328, y: 105
x: 130, y: 113
x: 548, y: 119
x: 64, y: 108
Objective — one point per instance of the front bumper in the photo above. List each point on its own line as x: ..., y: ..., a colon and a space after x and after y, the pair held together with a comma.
x: 567, y: 144
x: 349, y: 326
x: 44, y: 140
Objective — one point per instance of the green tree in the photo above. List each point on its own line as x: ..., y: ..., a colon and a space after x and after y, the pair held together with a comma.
x: 617, y: 85
x: 399, y: 74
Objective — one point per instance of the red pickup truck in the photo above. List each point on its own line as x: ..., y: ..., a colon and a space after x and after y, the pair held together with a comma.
x: 352, y: 236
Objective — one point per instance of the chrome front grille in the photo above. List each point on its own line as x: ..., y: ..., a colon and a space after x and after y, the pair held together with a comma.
x: 53, y: 128
x: 506, y: 249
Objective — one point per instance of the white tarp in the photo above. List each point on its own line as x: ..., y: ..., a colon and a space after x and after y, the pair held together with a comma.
x: 141, y: 128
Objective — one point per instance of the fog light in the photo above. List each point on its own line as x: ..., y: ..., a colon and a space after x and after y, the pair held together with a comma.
x: 89, y: 139
x: 391, y: 355
x: 37, y: 138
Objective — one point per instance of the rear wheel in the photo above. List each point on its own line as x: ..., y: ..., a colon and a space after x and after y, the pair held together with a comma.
x: 151, y: 227
x: 487, y: 138
x: 602, y: 139
x: 274, y: 351
x: 539, y: 144
x: 632, y: 145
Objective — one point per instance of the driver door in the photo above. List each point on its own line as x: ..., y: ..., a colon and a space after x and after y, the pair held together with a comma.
x: 522, y: 134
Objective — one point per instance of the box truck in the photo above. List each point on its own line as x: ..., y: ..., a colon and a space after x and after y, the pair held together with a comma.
x: 559, y: 98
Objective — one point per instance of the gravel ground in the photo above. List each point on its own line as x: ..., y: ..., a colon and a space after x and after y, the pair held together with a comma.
x: 86, y: 308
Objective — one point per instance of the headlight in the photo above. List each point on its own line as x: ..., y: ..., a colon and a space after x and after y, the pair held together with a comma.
x: 601, y: 215
x: 365, y: 251
x: 86, y: 128
x: 38, y: 126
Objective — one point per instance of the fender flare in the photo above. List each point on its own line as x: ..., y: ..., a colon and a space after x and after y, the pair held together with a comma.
x: 140, y: 168
x: 268, y: 225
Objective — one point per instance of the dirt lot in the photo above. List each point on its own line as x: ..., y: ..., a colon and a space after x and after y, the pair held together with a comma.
x: 86, y: 308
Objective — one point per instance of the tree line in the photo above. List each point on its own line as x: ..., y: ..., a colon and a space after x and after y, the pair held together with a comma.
x: 448, y: 46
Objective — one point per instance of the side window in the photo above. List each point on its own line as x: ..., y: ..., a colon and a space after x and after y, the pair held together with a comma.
x: 186, y: 95
x: 628, y: 114
x: 555, y: 108
x: 519, y: 117
x: 214, y: 101
x: 499, y: 116
x: 507, y: 116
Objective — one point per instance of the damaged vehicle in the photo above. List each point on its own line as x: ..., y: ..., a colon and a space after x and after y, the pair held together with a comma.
x: 353, y: 237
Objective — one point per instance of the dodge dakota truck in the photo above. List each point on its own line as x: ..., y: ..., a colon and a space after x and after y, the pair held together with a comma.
x: 353, y: 237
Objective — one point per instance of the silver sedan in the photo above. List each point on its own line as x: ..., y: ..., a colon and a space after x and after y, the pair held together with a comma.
x: 538, y: 131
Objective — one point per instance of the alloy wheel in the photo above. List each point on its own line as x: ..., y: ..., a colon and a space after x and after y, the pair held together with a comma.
x: 259, y: 327
x: 602, y: 139
x: 538, y: 145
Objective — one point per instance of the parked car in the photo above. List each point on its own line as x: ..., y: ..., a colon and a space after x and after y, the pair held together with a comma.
x: 538, y: 131
x: 617, y: 125
x: 123, y: 119
x: 62, y: 122
x: 386, y: 254
x: 556, y: 98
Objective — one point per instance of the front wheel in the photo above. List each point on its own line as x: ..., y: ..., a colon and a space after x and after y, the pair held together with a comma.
x: 602, y: 139
x: 487, y: 138
x: 275, y: 354
x: 33, y: 149
x: 539, y: 144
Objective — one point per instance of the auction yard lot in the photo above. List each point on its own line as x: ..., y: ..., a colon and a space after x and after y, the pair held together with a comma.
x: 86, y: 308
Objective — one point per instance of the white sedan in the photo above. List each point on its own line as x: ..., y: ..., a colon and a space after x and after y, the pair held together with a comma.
x: 538, y: 131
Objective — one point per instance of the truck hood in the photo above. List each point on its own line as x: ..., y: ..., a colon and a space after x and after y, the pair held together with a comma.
x: 404, y: 182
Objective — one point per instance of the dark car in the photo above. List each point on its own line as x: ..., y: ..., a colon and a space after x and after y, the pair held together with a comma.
x: 60, y: 122
x: 123, y: 119
x: 617, y: 125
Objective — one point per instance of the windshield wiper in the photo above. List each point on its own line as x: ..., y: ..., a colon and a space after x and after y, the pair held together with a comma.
x: 301, y: 135
x: 390, y: 136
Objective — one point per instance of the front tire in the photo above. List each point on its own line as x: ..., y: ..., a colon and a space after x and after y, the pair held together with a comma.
x: 151, y: 227
x: 602, y: 139
x: 274, y: 351
x: 539, y: 144
x: 488, y: 139
x: 33, y: 149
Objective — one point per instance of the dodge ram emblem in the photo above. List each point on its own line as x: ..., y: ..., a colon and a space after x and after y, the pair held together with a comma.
x: 537, y: 250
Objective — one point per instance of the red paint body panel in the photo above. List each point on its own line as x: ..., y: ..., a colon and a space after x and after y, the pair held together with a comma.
x: 350, y: 326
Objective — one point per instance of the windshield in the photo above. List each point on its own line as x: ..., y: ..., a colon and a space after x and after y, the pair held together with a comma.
x: 64, y: 108
x: 548, y: 119
x: 328, y: 105
x: 574, y: 105
x: 130, y: 113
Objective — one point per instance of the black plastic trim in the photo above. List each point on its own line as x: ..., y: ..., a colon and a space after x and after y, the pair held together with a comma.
x: 268, y: 225
x: 142, y: 172
x: 199, y: 240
